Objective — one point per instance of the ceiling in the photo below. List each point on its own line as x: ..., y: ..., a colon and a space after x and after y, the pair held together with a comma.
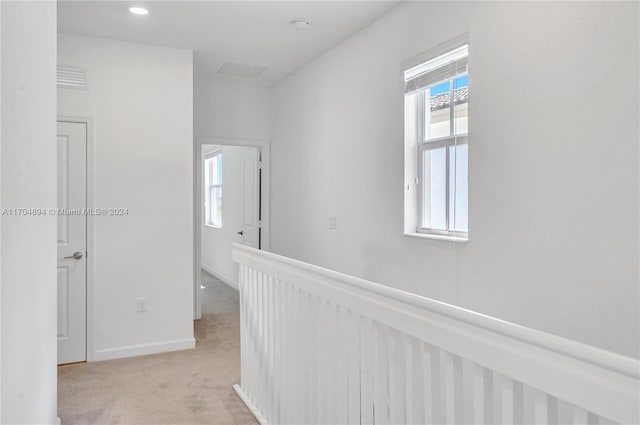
x: 257, y: 33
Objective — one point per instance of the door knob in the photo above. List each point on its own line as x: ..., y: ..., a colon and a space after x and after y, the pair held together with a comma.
x: 76, y: 256
x: 241, y: 233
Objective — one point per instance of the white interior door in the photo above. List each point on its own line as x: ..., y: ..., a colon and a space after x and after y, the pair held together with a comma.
x: 250, y: 199
x: 72, y: 237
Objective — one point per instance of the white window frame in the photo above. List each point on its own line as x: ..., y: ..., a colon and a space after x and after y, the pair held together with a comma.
x: 416, y: 145
x: 210, y: 189
x: 430, y: 144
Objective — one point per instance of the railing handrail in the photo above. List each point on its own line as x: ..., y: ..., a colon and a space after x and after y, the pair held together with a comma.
x: 586, y: 353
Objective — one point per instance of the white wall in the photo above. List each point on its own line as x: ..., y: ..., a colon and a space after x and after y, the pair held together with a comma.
x: 553, y: 164
x: 231, y: 111
x: 140, y: 98
x: 28, y: 180
x: 216, y: 242
x: 1, y: 101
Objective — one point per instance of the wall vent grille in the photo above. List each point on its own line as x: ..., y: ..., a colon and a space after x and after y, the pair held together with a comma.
x: 70, y: 77
x: 241, y: 70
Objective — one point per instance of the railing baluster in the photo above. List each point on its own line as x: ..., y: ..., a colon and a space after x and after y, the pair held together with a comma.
x: 262, y: 376
x: 381, y: 376
x: 307, y: 360
x: 552, y: 410
x: 458, y: 391
x: 467, y: 382
x: 243, y: 329
x: 427, y: 385
x: 273, y: 335
x: 341, y: 357
x: 291, y: 356
x: 397, y: 386
x: 312, y: 305
x: 438, y: 387
x: 413, y: 376
x: 322, y: 362
x: 256, y: 335
x: 333, y: 366
x: 277, y: 350
x: 449, y: 388
x: 479, y: 396
x: 297, y: 356
x: 540, y: 408
x: 534, y: 406
x: 579, y: 416
x: 502, y: 399
x: 252, y: 355
x: 518, y: 397
x: 565, y: 413
x: 286, y: 348
x: 367, y: 371
x: 505, y: 387
x: 257, y: 338
x: 286, y: 345
x: 352, y: 341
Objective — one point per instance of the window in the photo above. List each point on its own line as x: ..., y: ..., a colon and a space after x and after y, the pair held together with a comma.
x: 437, y: 142
x: 213, y: 189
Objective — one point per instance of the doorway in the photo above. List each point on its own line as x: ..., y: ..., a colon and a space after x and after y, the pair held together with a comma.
x: 231, y: 207
x: 71, y: 218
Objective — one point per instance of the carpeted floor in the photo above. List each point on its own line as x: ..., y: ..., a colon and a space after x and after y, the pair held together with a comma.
x: 183, y: 387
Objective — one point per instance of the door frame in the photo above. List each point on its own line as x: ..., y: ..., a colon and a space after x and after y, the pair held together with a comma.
x: 264, y: 152
x: 90, y: 230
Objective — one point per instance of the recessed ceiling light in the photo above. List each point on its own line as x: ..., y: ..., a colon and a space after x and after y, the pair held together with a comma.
x: 137, y: 10
x: 301, y: 24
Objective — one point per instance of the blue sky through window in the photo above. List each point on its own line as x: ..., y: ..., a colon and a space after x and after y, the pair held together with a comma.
x: 440, y: 88
x: 461, y: 82
x: 445, y: 86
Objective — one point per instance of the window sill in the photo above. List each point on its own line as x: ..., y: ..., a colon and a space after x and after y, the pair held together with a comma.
x: 457, y: 239
x: 213, y: 226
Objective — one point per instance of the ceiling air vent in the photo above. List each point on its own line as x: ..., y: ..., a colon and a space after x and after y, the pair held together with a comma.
x: 70, y: 77
x: 240, y: 70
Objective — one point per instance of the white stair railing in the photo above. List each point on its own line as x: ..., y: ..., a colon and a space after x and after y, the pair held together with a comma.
x: 321, y: 347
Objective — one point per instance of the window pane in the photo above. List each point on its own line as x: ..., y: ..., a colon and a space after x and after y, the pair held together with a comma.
x: 219, y: 169
x: 218, y: 206
x: 212, y: 205
x: 207, y: 207
x: 438, y: 111
x: 459, y: 188
x: 461, y: 102
x: 434, y: 215
x: 205, y: 184
x: 207, y: 172
x: 216, y: 170
x: 215, y: 194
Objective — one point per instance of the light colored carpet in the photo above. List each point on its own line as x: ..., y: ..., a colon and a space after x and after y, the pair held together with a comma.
x: 183, y: 387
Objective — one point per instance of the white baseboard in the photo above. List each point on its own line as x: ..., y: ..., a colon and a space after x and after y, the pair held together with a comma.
x: 252, y: 407
x: 144, y: 349
x: 223, y: 278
